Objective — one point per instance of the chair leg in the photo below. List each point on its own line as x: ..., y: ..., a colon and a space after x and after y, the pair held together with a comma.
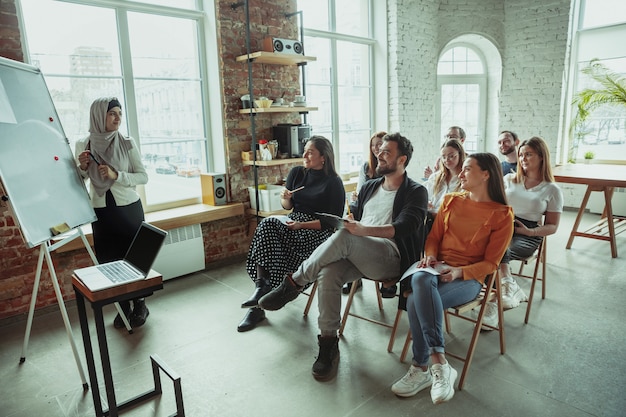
x: 539, y: 261
x: 379, y: 295
x: 394, y: 330
x: 346, y: 311
x: 407, y: 344
x: 543, y: 268
x: 311, y: 295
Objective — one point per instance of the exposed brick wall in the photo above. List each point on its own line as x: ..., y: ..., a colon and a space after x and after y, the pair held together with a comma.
x: 10, y: 44
x: 267, y: 18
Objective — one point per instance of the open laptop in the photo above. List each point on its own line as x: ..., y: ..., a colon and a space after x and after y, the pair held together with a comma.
x: 134, y: 267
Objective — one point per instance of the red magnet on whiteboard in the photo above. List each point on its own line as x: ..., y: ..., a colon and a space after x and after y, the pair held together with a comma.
x: 56, y: 158
x: 51, y: 119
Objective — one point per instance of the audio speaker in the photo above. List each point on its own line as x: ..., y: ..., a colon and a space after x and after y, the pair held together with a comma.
x: 213, y: 189
x: 283, y: 46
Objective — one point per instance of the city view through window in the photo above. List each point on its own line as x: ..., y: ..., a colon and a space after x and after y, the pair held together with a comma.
x: 156, y: 75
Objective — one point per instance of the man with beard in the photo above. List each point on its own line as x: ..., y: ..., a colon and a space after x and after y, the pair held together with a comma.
x: 507, y: 143
x: 380, y: 240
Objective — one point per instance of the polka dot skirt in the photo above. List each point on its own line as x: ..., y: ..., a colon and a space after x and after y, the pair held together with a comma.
x: 280, y: 251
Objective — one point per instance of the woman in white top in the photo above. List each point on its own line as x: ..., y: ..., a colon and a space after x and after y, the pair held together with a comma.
x: 112, y: 163
x: 446, y: 180
x: 533, y: 194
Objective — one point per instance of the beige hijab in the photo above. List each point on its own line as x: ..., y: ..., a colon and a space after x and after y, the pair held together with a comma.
x: 109, y: 148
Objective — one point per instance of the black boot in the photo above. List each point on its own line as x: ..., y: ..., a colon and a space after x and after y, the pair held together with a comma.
x: 253, y: 317
x: 276, y: 299
x: 140, y: 313
x: 262, y: 288
x: 325, y: 367
x: 118, y: 323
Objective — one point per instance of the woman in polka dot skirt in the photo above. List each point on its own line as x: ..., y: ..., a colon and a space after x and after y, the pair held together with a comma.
x: 278, y: 248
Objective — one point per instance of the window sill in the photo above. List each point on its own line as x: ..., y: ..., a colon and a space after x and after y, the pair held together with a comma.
x: 173, y: 218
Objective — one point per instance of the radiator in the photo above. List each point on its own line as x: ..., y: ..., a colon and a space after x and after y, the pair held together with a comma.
x: 596, y: 202
x: 182, y: 252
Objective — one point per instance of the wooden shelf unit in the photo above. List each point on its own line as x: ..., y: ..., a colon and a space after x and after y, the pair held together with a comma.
x: 273, y: 58
x: 274, y: 162
x: 256, y: 110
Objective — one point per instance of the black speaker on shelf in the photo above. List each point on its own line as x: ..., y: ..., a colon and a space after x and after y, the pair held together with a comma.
x: 283, y: 46
x: 213, y: 188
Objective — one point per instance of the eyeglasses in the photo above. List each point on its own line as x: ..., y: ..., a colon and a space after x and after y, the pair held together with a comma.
x: 451, y: 137
x: 449, y: 156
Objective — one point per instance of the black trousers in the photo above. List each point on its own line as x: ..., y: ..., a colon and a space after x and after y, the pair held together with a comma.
x: 115, y: 228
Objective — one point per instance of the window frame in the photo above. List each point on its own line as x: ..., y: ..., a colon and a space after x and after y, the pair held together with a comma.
x: 204, y: 17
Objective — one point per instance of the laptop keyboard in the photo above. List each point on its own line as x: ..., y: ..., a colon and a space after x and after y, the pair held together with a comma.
x: 118, y: 272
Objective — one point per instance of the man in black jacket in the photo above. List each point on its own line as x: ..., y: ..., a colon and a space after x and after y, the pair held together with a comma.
x: 381, y: 241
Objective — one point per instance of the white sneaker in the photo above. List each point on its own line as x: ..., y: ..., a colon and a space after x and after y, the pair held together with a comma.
x: 512, y: 294
x: 443, y: 382
x: 491, y: 316
x: 413, y: 382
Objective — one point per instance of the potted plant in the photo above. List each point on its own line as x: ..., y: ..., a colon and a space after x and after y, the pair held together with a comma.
x: 589, y: 156
x: 610, y: 91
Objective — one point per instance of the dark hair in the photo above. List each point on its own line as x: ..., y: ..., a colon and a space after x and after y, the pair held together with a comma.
x: 325, y: 148
x: 495, y: 186
x: 515, y: 138
x: 404, y: 145
x: 372, y: 161
x: 541, y: 147
x: 114, y: 103
x: 460, y: 129
x: 445, y: 174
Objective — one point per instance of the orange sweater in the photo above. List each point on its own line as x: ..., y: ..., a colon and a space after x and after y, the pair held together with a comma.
x: 470, y: 235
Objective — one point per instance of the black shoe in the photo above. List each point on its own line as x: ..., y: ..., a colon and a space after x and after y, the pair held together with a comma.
x: 348, y: 286
x: 276, y: 299
x: 140, y: 313
x: 253, y: 317
x: 325, y: 367
x: 389, y: 292
x: 261, y: 289
x: 118, y: 323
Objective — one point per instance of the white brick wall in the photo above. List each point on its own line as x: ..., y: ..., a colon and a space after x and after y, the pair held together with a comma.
x: 531, y: 36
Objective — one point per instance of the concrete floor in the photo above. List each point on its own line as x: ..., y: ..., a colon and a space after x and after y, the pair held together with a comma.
x: 570, y: 360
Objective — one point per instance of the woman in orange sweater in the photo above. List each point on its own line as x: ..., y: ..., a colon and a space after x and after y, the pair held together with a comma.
x: 468, y: 238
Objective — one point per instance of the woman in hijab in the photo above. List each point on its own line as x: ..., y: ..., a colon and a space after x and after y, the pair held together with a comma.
x: 113, y: 165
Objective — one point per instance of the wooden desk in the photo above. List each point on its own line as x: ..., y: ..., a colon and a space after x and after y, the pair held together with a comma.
x: 597, y: 178
x: 97, y: 300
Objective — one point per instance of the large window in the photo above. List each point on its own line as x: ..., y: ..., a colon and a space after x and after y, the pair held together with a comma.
x: 599, y: 25
x: 461, y: 78
x: 340, y: 82
x: 147, y: 55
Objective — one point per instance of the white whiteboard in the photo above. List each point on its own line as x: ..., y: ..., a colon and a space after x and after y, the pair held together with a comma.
x: 37, y: 166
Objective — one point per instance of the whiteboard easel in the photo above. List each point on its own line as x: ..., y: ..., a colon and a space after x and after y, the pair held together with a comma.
x: 45, y: 248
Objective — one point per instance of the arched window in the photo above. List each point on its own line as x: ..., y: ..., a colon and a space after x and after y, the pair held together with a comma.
x: 462, y: 86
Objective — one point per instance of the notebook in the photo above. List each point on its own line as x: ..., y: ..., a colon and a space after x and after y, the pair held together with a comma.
x: 134, y: 267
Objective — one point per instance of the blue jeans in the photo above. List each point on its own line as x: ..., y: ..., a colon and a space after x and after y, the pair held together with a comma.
x: 425, y: 307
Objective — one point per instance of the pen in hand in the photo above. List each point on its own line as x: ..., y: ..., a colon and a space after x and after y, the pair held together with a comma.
x: 297, y: 189
x: 94, y: 158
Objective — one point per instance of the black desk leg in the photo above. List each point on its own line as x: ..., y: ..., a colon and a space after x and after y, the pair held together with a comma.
x: 106, y: 360
x: 91, y: 367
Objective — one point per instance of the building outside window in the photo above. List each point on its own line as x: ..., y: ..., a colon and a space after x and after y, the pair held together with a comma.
x: 340, y: 81
x: 93, y: 48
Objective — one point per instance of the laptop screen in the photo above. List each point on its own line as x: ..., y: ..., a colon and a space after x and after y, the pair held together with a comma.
x: 145, y: 247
